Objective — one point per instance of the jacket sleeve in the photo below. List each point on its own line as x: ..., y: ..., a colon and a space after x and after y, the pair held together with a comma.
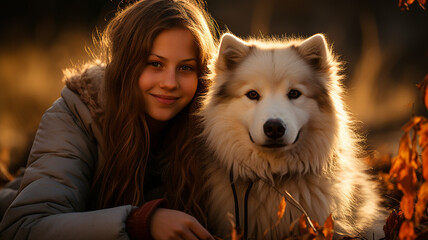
x: 54, y: 194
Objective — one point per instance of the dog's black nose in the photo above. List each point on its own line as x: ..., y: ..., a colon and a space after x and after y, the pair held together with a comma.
x: 274, y: 128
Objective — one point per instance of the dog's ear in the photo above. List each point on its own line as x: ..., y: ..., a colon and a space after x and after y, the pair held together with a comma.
x: 232, y: 51
x: 315, y: 51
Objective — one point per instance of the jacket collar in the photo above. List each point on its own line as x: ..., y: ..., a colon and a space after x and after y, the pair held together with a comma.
x: 88, y: 84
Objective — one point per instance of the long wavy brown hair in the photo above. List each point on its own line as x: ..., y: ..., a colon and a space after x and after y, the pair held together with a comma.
x: 126, y: 43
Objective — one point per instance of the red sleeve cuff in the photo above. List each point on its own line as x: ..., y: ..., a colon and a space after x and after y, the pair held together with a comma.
x: 138, y: 222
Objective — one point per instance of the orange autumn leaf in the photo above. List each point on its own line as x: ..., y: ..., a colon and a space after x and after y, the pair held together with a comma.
x: 397, y: 164
x: 407, y: 232
x: 234, y: 233
x: 423, y: 143
x: 407, y: 205
x: 410, y: 124
x: 407, y: 180
x: 414, y: 157
x: 409, y: 1
x: 281, y: 209
x: 302, y: 223
x: 280, y: 214
x: 328, y: 228
x: 423, y: 134
x: 425, y: 163
x: 317, y: 227
x: 304, y: 226
x: 420, y: 207
x: 404, y: 4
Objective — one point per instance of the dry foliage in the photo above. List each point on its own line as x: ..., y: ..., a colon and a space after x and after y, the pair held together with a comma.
x: 404, y: 4
x: 305, y: 232
x: 409, y: 170
x: 281, y: 210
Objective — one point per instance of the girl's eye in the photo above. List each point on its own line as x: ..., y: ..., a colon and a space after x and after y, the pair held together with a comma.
x: 294, y: 94
x: 186, y: 68
x: 155, y: 64
x: 253, y: 95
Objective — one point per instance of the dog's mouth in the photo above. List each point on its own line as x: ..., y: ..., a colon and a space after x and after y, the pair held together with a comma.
x: 275, y: 143
x: 297, y: 137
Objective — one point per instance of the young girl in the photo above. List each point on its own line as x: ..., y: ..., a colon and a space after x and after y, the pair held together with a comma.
x: 109, y: 156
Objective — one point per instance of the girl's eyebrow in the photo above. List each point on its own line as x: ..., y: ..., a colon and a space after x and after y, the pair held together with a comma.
x: 164, y: 58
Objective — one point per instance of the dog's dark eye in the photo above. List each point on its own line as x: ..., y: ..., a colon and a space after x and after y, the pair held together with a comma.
x: 253, y: 95
x: 293, y: 94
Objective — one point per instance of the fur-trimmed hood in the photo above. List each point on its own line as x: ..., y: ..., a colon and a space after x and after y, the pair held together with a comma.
x: 84, y: 97
x: 88, y: 84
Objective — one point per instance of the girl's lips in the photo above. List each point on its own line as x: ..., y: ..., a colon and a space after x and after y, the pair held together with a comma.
x: 164, y: 99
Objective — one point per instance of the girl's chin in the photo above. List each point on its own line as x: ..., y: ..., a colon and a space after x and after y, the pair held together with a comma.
x: 162, y: 117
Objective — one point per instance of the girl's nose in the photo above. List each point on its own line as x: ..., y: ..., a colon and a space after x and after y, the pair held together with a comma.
x: 169, y: 80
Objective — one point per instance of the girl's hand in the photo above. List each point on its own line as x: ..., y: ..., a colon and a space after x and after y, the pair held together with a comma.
x: 173, y: 224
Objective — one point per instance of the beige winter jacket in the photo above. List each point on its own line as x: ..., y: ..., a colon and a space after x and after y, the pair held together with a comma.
x: 53, y: 199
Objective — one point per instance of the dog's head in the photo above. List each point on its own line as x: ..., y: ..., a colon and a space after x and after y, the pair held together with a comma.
x: 271, y: 99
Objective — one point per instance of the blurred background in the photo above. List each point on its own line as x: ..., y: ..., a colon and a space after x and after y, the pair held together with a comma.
x: 385, y: 51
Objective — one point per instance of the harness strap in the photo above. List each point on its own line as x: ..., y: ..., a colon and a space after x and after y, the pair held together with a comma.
x: 235, y: 198
x: 246, y: 210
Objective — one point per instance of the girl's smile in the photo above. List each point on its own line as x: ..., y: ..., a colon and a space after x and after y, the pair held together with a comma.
x: 165, y: 99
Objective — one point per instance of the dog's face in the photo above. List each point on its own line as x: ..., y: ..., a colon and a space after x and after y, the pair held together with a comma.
x: 271, y: 89
x: 265, y: 94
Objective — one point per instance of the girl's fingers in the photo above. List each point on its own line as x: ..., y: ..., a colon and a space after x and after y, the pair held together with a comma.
x: 188, y: 235
x: 199, y: 231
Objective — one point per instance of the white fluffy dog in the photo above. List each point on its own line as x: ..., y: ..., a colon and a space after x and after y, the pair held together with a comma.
x: 274, y: 120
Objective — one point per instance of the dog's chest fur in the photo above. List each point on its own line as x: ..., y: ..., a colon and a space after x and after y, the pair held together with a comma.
x: 313, y: 193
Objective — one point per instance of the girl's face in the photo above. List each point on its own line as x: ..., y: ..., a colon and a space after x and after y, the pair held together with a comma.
x: 169, y: 80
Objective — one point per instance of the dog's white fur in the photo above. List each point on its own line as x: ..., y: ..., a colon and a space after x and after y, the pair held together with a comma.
x: 315, y: 160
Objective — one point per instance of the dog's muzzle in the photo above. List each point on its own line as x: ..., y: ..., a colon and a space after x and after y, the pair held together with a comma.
x: 274, y: 128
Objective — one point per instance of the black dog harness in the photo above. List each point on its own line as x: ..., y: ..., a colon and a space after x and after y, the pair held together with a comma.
x: 235, y: 197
